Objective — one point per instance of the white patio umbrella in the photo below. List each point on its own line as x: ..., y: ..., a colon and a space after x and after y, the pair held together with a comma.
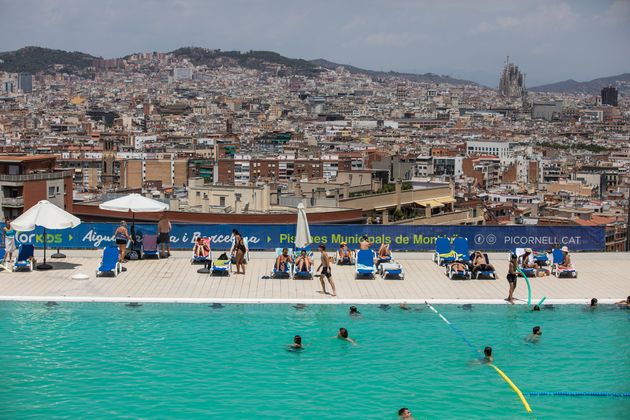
x: 48, y: 216
x: 302, y: 232
x: 134, y: 203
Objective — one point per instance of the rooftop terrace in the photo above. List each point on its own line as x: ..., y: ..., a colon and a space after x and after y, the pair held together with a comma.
x: 601, y: 275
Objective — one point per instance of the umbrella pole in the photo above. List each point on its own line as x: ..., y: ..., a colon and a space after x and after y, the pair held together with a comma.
x: 44, y: 266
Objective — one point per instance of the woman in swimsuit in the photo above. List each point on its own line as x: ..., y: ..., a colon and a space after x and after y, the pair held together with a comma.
x: 122, y: 236
x: 239, y: 253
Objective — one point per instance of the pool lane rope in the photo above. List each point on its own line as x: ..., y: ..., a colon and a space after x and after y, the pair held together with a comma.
x: 579, y: 394
x: 475, y: 349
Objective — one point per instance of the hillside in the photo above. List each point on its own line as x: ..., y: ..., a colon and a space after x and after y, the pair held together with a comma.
x: 592, y: 87
x: 258, y: 60
x: 426, y: 77
x: 36, y: 59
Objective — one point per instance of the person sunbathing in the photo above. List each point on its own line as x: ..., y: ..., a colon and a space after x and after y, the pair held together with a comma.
x: 566, y: 261
x: 524, y: 262
x: 303, y: 263
x: 458, y: 266
x: 479, y: 263
x: 283, y: 260
x: 344, y: 255
x: 384, y: 254
x: 201, y: 248
x: 365, y: 243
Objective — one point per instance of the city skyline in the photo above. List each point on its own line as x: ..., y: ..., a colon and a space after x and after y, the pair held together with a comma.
x: 550, y: 41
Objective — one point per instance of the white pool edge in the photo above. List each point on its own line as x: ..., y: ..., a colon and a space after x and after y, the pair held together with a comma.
x: 329, y: 301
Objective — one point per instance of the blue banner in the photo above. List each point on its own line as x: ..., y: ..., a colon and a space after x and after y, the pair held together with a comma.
x: 400, y: 238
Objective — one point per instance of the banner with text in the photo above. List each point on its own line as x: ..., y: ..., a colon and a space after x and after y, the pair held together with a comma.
x: 400, y: 238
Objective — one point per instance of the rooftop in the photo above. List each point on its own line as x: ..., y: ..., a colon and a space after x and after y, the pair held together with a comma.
x: 601, y: 275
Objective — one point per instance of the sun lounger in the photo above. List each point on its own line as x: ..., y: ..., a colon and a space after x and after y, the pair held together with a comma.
x: 454, y: 274
x: 364, y: 266
x: 221, y: 266
x: 340, y: 261
x: 285, y: 272
x: 461, y: 250
x: 303, y: 274
x: 201, y: 259
x: 540, y: 259
x: 443, y: 251
x: 558, y: 259
x: 110, y: 266
x: 25, y: 258
x: 391, y: 270
x: 485, y: 273
x: 150, y: 247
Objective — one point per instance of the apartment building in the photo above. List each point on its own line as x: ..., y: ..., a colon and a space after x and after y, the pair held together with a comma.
x: 25, y: 180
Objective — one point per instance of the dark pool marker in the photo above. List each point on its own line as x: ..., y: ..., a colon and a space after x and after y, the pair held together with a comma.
x: 384, y: 307
x: 51, y: 304
x: 467, y: 307
x: 216, y: 306
x: 133, y: 305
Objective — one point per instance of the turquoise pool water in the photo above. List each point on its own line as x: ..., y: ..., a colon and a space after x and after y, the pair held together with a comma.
x: 98, y: 360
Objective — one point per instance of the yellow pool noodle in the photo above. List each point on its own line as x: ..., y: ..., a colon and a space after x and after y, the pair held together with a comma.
x: 514, y: 387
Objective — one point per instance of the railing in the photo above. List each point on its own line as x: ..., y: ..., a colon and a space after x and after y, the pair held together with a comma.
x: 36, y: 176
x: 13, y: 202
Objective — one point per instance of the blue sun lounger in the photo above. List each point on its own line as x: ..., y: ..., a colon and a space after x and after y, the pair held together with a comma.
x: 110, y: 266
x: 24, y: 260
x: 558, y: 259
x: 444, y: 254
x: 454, y: 274
x: 303, y: 274
x: 364, y: 266
x: 486, y: 273
x: 461, y: 250
x: 288, y: 268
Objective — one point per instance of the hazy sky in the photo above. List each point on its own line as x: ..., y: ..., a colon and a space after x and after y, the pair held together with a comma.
x: 550, y: 40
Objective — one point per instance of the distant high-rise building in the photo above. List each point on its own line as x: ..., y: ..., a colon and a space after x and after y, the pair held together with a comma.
x: 609, y: 96
x: 401, y: 92
x: 25, y: 82
x: 182, y: 73
x: 512, y: 82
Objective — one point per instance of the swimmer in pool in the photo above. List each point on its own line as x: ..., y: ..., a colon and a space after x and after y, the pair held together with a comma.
x: 297, y: 343
x: 404, y: 306
x: 354, y: 311
x: 487, y: 355
x: 624, y: 302
x: 405, y: 414
x: 593, y: 303
x: 534, y: 336
x: 536, y: 308
x: 343, y: 335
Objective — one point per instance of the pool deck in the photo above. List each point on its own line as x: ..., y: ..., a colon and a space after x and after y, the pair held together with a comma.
x: 602, y: 275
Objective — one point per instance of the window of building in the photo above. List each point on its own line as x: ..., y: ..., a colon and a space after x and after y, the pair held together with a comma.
x: 222, y: 201
x: 51, y: 192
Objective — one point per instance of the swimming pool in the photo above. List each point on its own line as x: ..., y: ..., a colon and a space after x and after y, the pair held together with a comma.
x: 98, y: 360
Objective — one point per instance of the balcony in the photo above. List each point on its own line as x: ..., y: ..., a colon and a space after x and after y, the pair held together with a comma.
x: 36, y: 176
x: 17, y: 202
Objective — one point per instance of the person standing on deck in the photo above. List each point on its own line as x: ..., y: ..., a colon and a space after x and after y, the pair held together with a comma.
x: 9, y: 241
x: 326, y: 271
x: 164, y: 235
x: 511, y: 277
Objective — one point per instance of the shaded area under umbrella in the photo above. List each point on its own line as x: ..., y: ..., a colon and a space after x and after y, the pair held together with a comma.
x: 48, y: 216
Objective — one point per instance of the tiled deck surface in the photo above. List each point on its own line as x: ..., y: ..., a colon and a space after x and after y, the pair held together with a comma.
x: 602, y: 275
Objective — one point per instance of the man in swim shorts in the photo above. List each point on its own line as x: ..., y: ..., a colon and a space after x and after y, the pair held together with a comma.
x: 326, y: 271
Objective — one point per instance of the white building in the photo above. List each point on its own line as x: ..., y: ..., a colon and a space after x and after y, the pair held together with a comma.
x: 500, y: 149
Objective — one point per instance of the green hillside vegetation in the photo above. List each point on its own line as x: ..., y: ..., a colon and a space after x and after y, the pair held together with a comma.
x: 37, y: 59
x: 258, y: 60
